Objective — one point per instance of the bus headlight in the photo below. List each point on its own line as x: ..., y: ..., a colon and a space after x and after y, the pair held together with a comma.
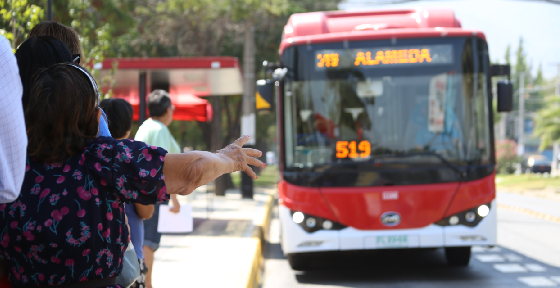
x: 470, y: 218
x: 453, y: 220
x: 311, y: 223
x: 483, y: 210
x: 298, y: 217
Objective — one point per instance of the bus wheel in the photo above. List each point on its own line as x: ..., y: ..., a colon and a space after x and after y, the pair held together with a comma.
x: 458, y: 256
x: 298, y: 262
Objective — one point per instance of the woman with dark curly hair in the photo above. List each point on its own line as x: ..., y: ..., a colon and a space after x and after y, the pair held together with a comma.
x: 67, y: 226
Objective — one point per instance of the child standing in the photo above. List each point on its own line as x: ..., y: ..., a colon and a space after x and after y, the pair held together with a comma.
x: 119, y: 115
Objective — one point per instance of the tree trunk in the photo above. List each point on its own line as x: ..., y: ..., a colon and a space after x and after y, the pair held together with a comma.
x: 206, y: 129
x: 216, y: 141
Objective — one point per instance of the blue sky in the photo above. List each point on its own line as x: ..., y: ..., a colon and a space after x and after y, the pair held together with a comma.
x: 503, y: 22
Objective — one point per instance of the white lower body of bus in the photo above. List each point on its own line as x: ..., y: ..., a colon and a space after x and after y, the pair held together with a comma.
x: 296, y: 242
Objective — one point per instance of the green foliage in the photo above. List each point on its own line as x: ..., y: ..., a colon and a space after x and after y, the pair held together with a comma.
x: 497, y: 116
x: 508, y: 54
x: 527, y: 183
x: 547, y: 122
x: 98, y: 22
x: 506, y: 156
x: 17, y: 17
x: 539, y: 80
x: 534, y: 97
x: 267, y: 177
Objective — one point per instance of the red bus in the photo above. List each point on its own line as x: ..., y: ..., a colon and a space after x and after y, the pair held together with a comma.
x: 385, y: 128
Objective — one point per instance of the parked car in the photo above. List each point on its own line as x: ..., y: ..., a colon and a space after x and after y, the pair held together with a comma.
x: 536, y: 164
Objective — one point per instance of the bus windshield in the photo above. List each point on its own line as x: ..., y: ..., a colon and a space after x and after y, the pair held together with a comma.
x: 386, y: 101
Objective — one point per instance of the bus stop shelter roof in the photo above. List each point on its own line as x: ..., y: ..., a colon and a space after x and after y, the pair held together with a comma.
x: 188, y: 79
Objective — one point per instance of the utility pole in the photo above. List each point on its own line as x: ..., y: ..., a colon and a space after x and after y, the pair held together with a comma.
x: 521, y: 141
x: 49, y: 10
x: 248, y: 119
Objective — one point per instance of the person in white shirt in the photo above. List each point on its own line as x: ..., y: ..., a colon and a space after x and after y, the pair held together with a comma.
x: 13, y: 137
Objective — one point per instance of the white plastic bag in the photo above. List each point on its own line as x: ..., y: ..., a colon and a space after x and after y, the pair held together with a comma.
x: 170, y: 222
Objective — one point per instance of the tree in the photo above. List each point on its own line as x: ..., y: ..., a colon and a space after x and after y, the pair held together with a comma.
x: 521, y: 65
x: 98, y: 22
x: 508, y: 54
x: 17, y: 18
x: 506, y: 155
x: 547, y: 122
x: 539, y: 80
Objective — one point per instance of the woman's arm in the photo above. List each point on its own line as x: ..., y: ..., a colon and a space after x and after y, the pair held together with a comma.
x: 188, y: 171
x: 145, y: 212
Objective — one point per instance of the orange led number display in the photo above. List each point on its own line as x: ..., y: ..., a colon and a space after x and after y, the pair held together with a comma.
x: 327, y: 60
x: 351, y: 149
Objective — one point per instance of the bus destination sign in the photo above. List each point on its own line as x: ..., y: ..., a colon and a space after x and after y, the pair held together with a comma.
x: 389, y: 56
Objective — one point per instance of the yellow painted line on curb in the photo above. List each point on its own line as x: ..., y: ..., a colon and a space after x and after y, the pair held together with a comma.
x: 530, y: 212
x: 259, y: 235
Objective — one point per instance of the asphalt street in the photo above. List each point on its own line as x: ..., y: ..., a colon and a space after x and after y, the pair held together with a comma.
x: 528, y: 255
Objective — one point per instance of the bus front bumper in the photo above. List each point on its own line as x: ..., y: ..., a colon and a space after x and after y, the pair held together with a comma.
x: 296, y: 240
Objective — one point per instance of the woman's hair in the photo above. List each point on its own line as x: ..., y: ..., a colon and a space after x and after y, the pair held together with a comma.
x: 37, y: 53
x: 158, y: 102
x: 119, y: 115
x: 67, y: 35
x: 62, y: 116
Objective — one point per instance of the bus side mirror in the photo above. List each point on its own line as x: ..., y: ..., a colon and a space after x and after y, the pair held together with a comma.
x: 265, y: 95
x: 505, y: 96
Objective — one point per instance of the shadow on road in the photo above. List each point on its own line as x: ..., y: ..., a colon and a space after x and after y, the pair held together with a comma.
x: 384, y: 266
x: 378, y: 266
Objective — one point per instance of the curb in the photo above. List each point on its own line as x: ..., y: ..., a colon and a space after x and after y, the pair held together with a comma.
x: 259, y: 237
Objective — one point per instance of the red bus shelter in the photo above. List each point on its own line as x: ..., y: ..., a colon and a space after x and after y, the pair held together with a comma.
x: 187, y: 79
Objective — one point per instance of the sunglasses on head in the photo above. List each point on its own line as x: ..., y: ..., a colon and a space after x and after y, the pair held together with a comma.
x: 83, y: 70
x: 91, y: 80
x: 76, y: 58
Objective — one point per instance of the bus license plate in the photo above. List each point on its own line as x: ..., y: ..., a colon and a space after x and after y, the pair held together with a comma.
x: 392, y: 241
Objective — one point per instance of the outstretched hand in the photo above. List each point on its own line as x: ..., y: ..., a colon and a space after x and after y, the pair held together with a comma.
x: 242, y: 157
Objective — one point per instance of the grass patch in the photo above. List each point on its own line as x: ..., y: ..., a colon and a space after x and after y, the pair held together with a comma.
x: 526, y: 182
x: 267, y: 177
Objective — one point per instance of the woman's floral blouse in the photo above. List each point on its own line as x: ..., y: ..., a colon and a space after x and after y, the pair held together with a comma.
x: 68, y: 223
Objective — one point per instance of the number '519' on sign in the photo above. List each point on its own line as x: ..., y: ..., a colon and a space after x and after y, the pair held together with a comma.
x: 350, y: 149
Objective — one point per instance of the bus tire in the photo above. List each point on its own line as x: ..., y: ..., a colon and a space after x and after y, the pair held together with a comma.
x: 458, y: 256
x: 298, y: 261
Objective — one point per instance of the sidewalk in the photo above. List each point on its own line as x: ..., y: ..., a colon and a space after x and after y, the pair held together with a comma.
x: 220, y: 252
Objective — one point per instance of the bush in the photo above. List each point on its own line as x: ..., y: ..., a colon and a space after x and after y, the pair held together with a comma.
x: 506, y: 156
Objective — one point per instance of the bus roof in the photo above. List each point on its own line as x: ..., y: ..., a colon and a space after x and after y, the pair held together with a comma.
x: 335, y: 26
